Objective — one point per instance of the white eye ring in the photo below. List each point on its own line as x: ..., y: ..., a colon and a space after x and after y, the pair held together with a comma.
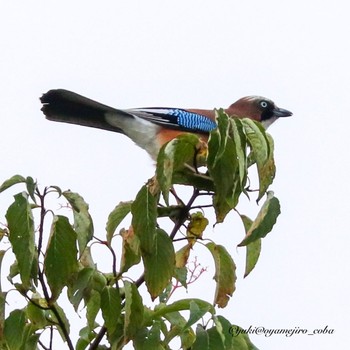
x: 263, y: 104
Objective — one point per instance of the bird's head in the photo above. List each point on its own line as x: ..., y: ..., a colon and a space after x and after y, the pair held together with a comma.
x: 258, y: 108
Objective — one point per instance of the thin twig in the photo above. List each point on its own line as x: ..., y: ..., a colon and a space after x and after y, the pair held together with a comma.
x: 98, y: 338
x: 42, y: 345
x: 41, y: 274
x: 181, y: 220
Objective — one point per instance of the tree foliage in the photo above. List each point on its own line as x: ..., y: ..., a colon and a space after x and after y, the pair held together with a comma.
x: 48, y: 265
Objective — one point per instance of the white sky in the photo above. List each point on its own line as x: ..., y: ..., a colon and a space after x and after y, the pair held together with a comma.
x: 201, y: 54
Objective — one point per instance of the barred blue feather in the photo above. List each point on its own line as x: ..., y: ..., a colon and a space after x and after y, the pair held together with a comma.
x: 192, y: 121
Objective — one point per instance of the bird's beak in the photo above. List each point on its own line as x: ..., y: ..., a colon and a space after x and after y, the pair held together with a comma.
x: 281, y: 112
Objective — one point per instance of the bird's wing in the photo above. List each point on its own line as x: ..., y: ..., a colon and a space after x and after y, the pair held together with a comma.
x: 175, y: 118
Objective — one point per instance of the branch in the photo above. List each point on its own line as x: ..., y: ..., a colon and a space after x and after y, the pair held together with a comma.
x: 41, y: 274
x: 184, y: 215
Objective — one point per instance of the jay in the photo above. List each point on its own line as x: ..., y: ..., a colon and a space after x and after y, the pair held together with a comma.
x: 151, y: 127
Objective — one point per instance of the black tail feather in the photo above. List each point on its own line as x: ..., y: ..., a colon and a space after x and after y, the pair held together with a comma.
x: 68, y: 107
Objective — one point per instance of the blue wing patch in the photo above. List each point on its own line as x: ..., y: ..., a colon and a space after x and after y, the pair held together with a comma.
x: 174, y: 118
x: 192, y: 121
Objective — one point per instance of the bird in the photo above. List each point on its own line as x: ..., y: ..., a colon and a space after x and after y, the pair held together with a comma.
x: 151, y: 127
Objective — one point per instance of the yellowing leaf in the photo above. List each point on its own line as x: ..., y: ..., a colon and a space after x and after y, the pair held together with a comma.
x: 225, y: 276
x: 197, y: 225
x: 172, y: 157
x: 181, y: 256
x: 131, y: 253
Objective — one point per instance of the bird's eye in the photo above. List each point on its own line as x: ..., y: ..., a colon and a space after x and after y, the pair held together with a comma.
x: 263, y: 104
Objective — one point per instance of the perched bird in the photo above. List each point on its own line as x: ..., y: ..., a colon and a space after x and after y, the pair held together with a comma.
x: 150, y: 128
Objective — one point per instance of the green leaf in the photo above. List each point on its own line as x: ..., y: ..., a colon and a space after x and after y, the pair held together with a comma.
x: 61, y: 255
x: 223, y: 166
x: 31, y: 186
x: 116, y: 217
x: 82, y: 344
x: 118, y: 339
x: 196, y: 313
x: 2, y: 254
x: 36, y: 315
x: 240, y: 339
x: 190, y: 178
x: 56, y: 189
x: 14, y: 271
x: 187, y: 337
x: 2, y: 318
x: 180, y: 273
x: 268, y: 169
x: 14, y: 329
x: 111, y: 307
x: 239, y: 137
x: 51, y: 316
x: 133, y: 310
x: 144, y: 218
x: 223, y: 327
x: 172, y: 157
x: 154, y: 335
x: 202, y: 339
x: 93, y: 304
x: 12, y: 181
x: 86, y: 336
x: 21, y: 235
x: 225, y: 276
x: 253, y: 249
x: 150, y: 341
x: 262, y: 148
x: 99, y: 281
x: 81, y: 287
x: 83, y: 224
x: 177, y: 328
x: 175, y: 318
x: 215, y: 339
x: 253, y: 253
x: 184, y: 304
x: 265, y: 220
x: 221, y: 133
x: 232, y: 339
x: 31, y: 342
x: 131, y: 253
x: 159, y: 265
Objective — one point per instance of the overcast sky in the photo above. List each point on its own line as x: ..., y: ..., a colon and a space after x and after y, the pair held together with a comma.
x: 202, y: 54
